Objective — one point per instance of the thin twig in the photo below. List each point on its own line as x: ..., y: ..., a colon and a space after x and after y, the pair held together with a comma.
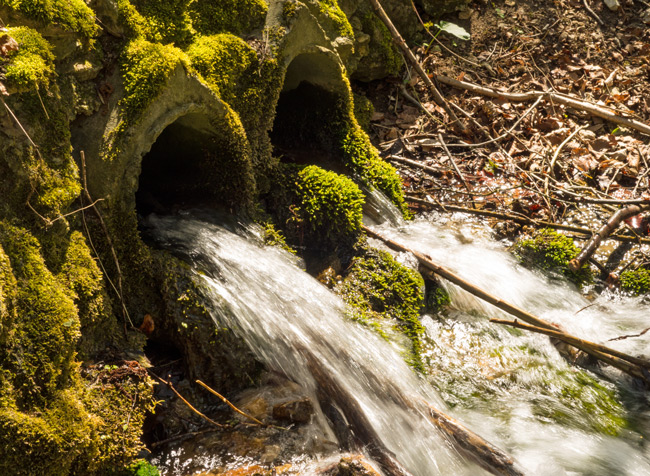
x: 119, y: 290
x: 592, y: 13
x: 227, y: 402
x: 453, y: 162
x: 189, y: 405
x: 631, y: 335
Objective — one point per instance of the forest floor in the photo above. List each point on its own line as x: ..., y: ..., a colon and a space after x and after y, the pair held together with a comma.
x: 535, y: 160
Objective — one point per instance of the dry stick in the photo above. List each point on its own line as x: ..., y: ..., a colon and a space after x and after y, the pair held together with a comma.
x: 631, y: 335
x: 417, y: 104
x: 551, y: 96
x: 225, y: 400
x: 397, y: 38
x: 120, y: 292
x: 592, y: 13
x: 413, y: 163
x: 189, y: 405
x: 613, y: 222
x: 560, y: 147
x: 460, y: 175
x: 502, y: 216
x: 622, y: 361
x: 486, y: 455
x: 610, y: 356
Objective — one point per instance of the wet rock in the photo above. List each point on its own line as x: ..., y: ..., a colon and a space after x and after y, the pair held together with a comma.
x: 296, y: 411
x: 353, y: 465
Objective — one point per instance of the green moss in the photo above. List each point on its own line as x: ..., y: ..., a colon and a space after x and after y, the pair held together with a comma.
x: 636, y: 282
x: 234, y: 16
x: 224, y: 61
x: 289, y: 10
x: 325, y: 208
x: 32, y: 65
x: 382, y: 45
x: 142, y: 468
x: 71, y: 15
x: 363, y: 111
x: 378, y: 287
x: 273, y: 237
x: 332, y: 10
x: 312, y: 117
x: 146, y: 67
x: 158, y: 20
x: 40, y: 353
x: 552, y: 251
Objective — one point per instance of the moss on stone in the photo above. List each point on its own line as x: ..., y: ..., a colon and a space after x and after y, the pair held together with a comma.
x: 224, y: 61
x: 320, y: 208
x: 146, y: 66
x: 636, y: 282
x: 363, y: 111
x: 552, y: 251
x: 379, y: 287
x: 158, y: 20
x: 41, y: 351
x: 272, y: 237
x: 32, y: 65
x: 332, y: 10
x: 234, y: 16
x: 71, y: 15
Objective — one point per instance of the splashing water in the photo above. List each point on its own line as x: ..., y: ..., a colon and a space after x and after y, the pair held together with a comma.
x: 512, y: 388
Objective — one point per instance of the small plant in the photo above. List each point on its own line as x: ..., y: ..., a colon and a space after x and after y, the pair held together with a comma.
x: 636, y: 282
x: 552, y: 251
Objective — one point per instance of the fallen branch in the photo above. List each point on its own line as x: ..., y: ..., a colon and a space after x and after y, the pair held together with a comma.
x: 402, y: 160
x: 613, y: 222
x: 522, y: 220
x: 610, y: 356
x: 557, y: 98
x: 227, y: 402
x: 631, y: 335
x: 592, y: 13
x: 397, y: 38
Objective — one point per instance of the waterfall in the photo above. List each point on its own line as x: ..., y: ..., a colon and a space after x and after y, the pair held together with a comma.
x: 496, y: 380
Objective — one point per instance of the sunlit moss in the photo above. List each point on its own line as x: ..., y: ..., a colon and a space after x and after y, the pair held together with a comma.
x: 636, y: 282
x: 234, y: 16
x: 552, y: 251
x: 71, y: 15
x: 32, y: 65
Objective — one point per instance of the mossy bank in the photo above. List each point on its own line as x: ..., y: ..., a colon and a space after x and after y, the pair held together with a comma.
x: 113, y: 109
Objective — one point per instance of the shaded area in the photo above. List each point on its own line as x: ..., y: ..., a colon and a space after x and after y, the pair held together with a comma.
x: 175, y: 171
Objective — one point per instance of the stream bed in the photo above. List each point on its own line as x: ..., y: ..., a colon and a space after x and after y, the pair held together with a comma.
x: 512, y: 388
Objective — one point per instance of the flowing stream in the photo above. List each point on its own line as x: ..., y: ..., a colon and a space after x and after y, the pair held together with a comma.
x: 510, y: 387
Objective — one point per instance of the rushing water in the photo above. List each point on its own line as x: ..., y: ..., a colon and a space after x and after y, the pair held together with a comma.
x: 512, y: 388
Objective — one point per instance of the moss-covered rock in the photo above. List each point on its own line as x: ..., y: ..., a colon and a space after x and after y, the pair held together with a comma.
x: 552, y: 251
x: 236, y: 16
x: 71, y: 15
x: 377, y: 288
x: 32, y: 65
x: 636, y: 282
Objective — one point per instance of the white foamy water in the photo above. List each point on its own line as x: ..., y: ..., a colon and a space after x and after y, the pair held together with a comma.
x: 510, y: 387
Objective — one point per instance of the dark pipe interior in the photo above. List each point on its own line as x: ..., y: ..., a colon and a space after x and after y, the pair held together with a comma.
x: 305, y: 126
x: 173, y: 173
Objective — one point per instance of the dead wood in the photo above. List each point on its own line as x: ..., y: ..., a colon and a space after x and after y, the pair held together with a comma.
x: 628, y: 364
x: 555, y: 98
x: 483, y: 453
x: 227, y: 402
x: 521, y: 219
x: 597, y: 238
x: 399, y: 41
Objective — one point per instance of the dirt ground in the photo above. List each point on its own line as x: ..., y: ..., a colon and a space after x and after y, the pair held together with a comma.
x: 533, y: 160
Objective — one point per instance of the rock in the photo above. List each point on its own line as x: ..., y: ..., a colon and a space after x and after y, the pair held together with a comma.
x: 352, y: 465
x: 295, y: 411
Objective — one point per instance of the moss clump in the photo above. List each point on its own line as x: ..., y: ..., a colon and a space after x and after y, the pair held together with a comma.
x: 146, y: 67
x: 158, y: 20
x: 382, y: 45
x: 324, y: 208
x: 636, y: 282
x: 332, y: 10
x: 552, y: 251
x: 379, y: 287
x: 32, y: 65
x: 224, y: 61
x: 234, y: 16
x: 71, y: 15
x: 289, y: 10
x: 41, y: 350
